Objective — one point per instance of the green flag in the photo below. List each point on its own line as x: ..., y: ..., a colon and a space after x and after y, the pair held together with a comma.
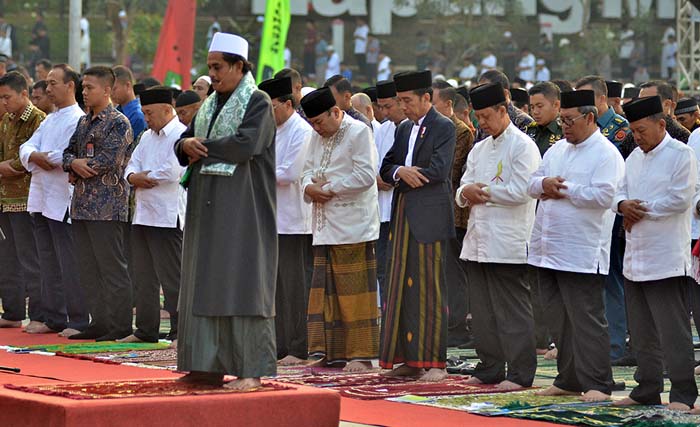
x: 274, y: 38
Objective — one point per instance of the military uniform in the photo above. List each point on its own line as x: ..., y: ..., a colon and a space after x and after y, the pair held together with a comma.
x: 520, y: 119
x: 614, y: 127
x: 545, y: 136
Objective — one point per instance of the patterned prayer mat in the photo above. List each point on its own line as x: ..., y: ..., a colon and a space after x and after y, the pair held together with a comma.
x: 165, y: 357
x: 558, y: 409
x: 126, y: 389
x: 371, y: 385
x: 96, y: 347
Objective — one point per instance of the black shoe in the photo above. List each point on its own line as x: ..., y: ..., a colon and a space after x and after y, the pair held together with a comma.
x: 171, y: 336
x: 113, y: 336
x: 619, y: 386
x: 88, y: 334
x: 626, y: 360
x: 468, y: 368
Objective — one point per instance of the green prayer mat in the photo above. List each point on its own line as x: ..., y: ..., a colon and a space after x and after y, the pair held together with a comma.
x: 96, y: 347
x: 557, y: 409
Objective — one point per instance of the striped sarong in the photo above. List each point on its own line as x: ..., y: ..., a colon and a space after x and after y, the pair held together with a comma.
x: 343, y: 322
x: 414, y: 318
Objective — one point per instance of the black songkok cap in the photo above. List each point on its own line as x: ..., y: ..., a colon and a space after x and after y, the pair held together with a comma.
x: 642, y: 108
x: 139, y: 88
x: 386, y: 89
x: 631, y: 92
x: 186, y: 98
x: 277, y: 87
x: 371, y: 92
x: 520, y: 95
x: 413, y: 80
x: 317, y: 102
x: 462, y: 90
x: 157, y: 96
x: 686, y: 105
x: 487, y: 95
x: 578, y: 98
x: 614, y: 88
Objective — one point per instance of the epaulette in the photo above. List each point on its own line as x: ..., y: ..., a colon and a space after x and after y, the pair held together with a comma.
x: 619, y: 120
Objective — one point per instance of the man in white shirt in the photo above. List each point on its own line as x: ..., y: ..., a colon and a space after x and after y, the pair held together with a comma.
x: 339, y: 179
x: 362, y: 103
x: 656, y: 198
x: 156, y: 230
x: 489, y: 62
x: 526, y: 66
x: 49, y: 199
x: 542, y: 73
x: 384, y: 139
x: 494, y: 186
x: 384, y: 67
x: 295, y: 258
x: 468, y: 71
x: 360, y: 36
x: 570, y: 246
x: 333, y: 64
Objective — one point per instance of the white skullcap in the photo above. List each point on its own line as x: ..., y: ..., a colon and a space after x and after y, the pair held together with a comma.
x: 229, y: 43
x: 205, y: 78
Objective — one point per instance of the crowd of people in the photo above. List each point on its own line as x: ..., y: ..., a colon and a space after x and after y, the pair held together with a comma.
x: 334, y: 227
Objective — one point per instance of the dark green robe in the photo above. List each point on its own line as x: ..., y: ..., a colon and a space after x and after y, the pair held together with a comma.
x: 229, y: 262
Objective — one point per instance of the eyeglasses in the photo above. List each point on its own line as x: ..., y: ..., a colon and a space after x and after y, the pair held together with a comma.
x: 274, y: 107
x: 570, y: 122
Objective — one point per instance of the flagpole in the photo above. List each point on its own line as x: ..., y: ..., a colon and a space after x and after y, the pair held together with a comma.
x: 76, y: 12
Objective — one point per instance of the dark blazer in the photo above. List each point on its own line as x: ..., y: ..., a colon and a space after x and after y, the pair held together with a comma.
x: 428, y: 208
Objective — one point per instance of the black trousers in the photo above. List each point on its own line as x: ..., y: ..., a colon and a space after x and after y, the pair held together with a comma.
x: 543, y: 336
x: 62, y: 298
x: 457, y: 292
x: 99, y: 246
x: 660, y: 327
x: 504, y: 330
x: 19, y: 268
x: 156, y: 254
x: 292, y: 294
x: 382, y: 242
x: 574, y: 309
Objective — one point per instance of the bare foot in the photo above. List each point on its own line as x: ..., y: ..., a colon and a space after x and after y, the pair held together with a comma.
x: 695, y: 410
x: 173, y: 344
x: 627, y: 401
x: 594, y: 396
x: 541, y: 351
x: 434, y: 375
x: 473, y: 380
x: 41, y: 328
x: 508, y: 385
x: 10, y: 323
x: 358, y: 366
x: 697, y: 370
x: 130, y: 338
x: 32, y: 325
x: 551, y: 354
x: 68, y: 332
x: 244, y: 384
x: 403, y: 371
x: 290, y: 360
x: 556, y: 391
x: 678, y: 406
x: 208, y: 378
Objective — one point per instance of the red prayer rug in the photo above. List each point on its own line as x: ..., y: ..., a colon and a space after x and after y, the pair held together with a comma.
x: 371, y: 385
x: 126, y: 389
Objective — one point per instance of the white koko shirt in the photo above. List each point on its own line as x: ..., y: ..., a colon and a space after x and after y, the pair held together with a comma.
x: 384, y: 139
x: 348, y: 161
x: 665, y: 179
x: 499, y: 230
x: 161, y: 205
x: 49, y: 191
x: 291, y: 148
x: 573, y: 234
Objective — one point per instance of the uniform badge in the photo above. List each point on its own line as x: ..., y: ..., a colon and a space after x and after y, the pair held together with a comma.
x: 620, y: 135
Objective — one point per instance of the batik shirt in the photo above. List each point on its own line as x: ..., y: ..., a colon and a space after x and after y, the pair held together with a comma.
x: 14, y: 190
x: 103, y: 197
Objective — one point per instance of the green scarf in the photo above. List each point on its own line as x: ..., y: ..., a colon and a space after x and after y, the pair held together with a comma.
x: 226, y: 123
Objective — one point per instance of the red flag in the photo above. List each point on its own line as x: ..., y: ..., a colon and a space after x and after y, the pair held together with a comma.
x: 173, y: 59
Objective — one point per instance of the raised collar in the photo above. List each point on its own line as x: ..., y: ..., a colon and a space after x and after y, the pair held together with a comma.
x: 26, y: 114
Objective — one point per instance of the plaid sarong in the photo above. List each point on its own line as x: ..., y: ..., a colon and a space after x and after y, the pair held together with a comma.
x: 343, y: 322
